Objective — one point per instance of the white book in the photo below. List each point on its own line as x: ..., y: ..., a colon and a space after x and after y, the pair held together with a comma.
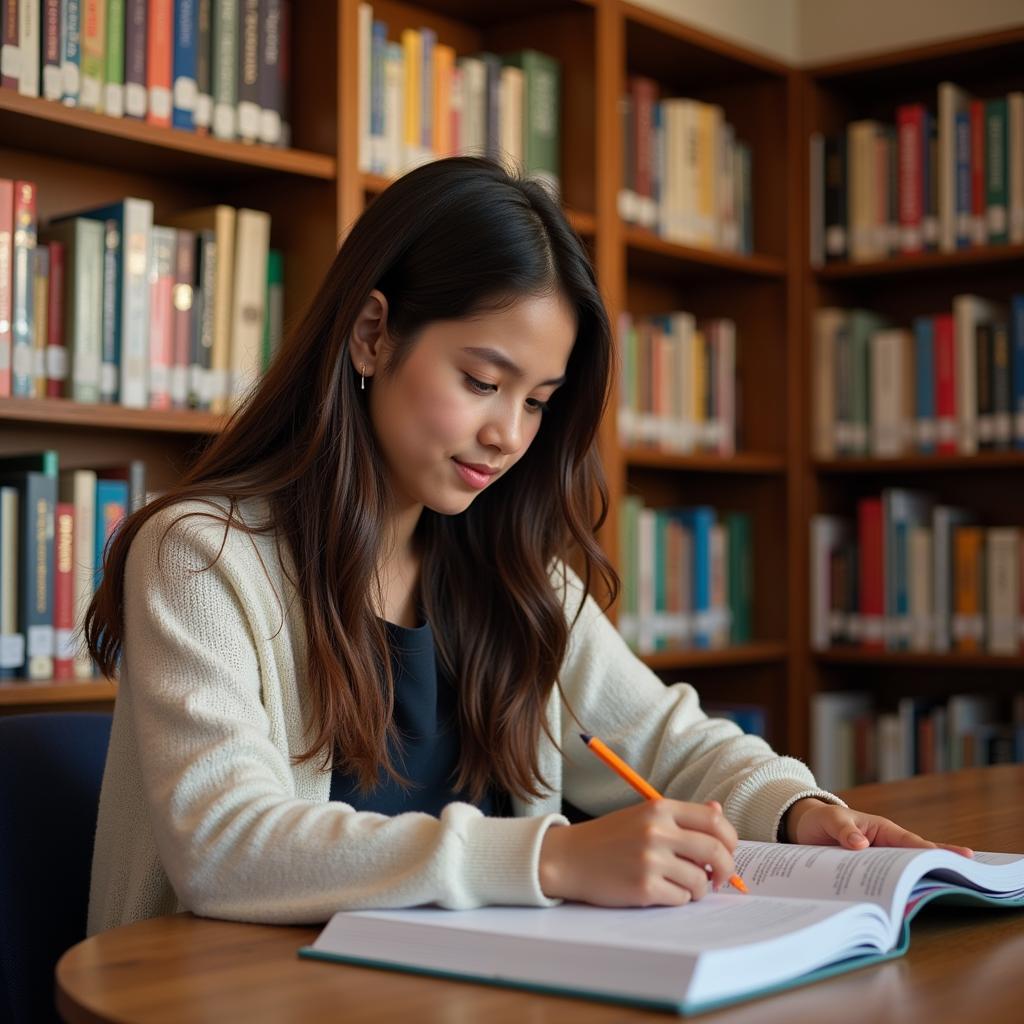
x: 394, y: 108
x: 727, y: 221
x: 474, y: 96
x: 889, y: 745
x: 968, y: 312
x: 827, y: 534
x: 511, y: 86
x: 365, y: 71
x: 78, y: 486
x: 248, y: 298
x: 952, y: 100
x: 827, y: 323
x: 1002, y: 577
x: 945, y: 520
x: 921, y: 572
x: 809, y: 908
x: 28, y: 47
x: 684, y: 330
x: 891, y: 367
x: 829, y: 711
x: 1015, y: 153
x: 866, y: 231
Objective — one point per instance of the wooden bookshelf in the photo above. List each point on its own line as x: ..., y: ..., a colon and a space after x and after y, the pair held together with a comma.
x: 900, y: 287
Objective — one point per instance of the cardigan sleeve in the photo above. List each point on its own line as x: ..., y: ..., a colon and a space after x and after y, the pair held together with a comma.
x: 663, y: 733
x: 231, y: 834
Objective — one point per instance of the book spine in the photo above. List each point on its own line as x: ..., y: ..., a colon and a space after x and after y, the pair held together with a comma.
x: 979, y: 225
x: 910, y: 126
x: 136, y: 94
x: 202, y: 349
x: 135, y: 237
x: 10, y: 52
x: 161, y: 317
x: 94, y: 15
x: 428, y: 40
x: 964, y: 199
x: 251, y: 247
x: 274, y: 319
x: 983, y: 379
x: 365, y: 97
x: 835, y: 199
x: 202, y: 117
x: 1002, y: 387
x: 248, y: 87
x: 945, y: 384
x: 23, y: 289
x: 270, y: 72
x: 51, y: 80
x: 63, y: 592
x: 40, y: 320
x: 872, y: 573
x: 968, y: 586
x: 926, y: 432
x: 996, y: 171
x: 6, y: 262
x: 113, y: 75
x: 112, y: 313
x: 1002, y: 599
x: 71, y: 51
x: 224, y: 78
x: 56, y: 345
x: 1015, y: 165
x: 111, y: 508
x: 159, y: 54
x: 182, y: 299
x: 1017, y: 362
x: 930, y: 173
x: 29, y: 37
x: 184, y: 89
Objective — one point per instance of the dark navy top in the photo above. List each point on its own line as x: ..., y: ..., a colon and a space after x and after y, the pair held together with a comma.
x: 428, y: 749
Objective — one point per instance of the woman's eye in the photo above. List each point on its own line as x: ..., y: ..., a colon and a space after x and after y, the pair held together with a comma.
x: 479, y: 385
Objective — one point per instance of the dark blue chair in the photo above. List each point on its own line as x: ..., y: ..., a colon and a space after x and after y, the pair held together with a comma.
x: 51, y: 766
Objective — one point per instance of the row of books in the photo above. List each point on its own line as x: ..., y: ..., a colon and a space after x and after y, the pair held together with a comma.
x: 419, y: 101
x: 687, y: 577
x: 952, y: 383
x: 685, y: 174
x: 853, y: 742
x: 204, y: 66
x: 912, y: 574
x: 930, y: 182
x: 678, y: 387
x: 54, y: 525
x: 106, y: 306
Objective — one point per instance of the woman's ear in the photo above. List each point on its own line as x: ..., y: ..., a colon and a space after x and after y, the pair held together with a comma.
x: 369, y: 334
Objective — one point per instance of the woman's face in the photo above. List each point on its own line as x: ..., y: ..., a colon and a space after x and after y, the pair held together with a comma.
x: 470, y: 391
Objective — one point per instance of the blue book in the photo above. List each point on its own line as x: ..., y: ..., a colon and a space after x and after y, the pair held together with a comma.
x: 183, y: 73
x: 378, y: 54
x: 963, y: 179
x: 657, y: 148
x: 70, y: 51
x: 924, y: 389
x: 111, y: 508
x: 699, y: 521
x: 1017, y: 367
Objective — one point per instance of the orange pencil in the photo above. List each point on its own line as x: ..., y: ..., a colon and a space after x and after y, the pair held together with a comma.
x: 638, y: 782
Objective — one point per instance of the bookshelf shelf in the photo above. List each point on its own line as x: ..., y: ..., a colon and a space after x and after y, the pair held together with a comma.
x: 748, y: 654
x: 45, y: 126
x: 922, y: 659
x: 924, y: 463
x: 18, y: 693
x: 753, y: 463
x: 649, y: 253
x: 924, y: 264
x: 79, y: 414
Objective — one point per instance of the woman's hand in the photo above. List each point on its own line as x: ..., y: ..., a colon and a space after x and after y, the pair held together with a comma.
x: 648, y: 854
x: 817, y: 823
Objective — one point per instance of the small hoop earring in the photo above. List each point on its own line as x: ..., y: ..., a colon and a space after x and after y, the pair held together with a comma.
x: 362, y: 379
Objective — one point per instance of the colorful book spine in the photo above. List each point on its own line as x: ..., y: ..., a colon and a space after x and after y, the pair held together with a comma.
x: 6, y: 261
x: 71, y: 51
x: 10, y: 52
x: 248, y: 88
x: 94, y: 45
x: 224, y: 79
x: 870, y: 534
x: 111, y: 508
x: 183, y: 298
x: 184, y: 89
x: 1017, y: 361
x: 63, y: 592
x: 997, y: 171
x: 29, y: 39
x: 203, y: 115
x: 23, y: 289
x: 945, y: 384
x: 159, y: 56
x: 56, y: 346
x: 925, y: 419
x: 51, y: 57
x: 964, y: 204
x: 113, y: 76
x: 136, y: 91
x: 270, y: 92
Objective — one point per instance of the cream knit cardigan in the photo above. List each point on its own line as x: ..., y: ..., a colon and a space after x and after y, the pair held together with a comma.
x: 202, y: 809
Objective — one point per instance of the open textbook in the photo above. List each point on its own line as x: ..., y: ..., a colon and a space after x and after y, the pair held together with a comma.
x: 812, y: 911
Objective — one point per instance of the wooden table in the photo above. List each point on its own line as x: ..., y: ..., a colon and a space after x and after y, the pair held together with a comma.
x: 963, y: 964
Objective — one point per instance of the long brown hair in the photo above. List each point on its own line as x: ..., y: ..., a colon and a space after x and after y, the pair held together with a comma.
x: 448, y: 240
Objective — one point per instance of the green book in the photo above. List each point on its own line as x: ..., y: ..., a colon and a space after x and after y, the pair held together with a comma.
x: 741, y: 571
x: 812, y: 912
x: 862, y: 324
x: 273, y: 307
x: 46, y: 462
x: 541, y: 114
x: 996, y: 171
x: 113, y: 96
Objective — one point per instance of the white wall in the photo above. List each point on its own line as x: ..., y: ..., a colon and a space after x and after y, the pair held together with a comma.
x: 816, y: 31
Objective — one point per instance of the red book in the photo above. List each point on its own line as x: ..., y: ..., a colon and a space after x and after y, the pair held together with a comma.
x: 872, y: 573
x: 6, y: 258
x: 979, y: 234
x: 10, y: 41
x: 158, y: 61
x: 644, y: 92
x: 945, y: 383
x: 56, y: 351
x: 910, y: 125
x: 64, y: 591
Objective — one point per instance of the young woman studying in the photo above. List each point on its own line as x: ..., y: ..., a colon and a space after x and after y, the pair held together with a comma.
x: 354, y: 664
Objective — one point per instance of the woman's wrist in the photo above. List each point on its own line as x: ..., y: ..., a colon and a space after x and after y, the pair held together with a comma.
x: 793, y: 813
x: 550, y: 874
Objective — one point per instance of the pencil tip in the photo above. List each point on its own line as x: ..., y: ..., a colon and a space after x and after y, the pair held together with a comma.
x: 586, y: 737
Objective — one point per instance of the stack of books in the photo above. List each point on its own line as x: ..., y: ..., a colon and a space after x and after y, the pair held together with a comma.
x: 419, y: 101
x: 103, y: 305
x: 54, y: 528
x: 685, y: 175
x: 939, y: 179
x: 911, y: 574
x: 217, y: 67
x: 951, y: 383
x: 687, y: 578
x: 678, y: 387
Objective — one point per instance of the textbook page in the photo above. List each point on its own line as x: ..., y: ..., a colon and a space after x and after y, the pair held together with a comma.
x: 885, y: 876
